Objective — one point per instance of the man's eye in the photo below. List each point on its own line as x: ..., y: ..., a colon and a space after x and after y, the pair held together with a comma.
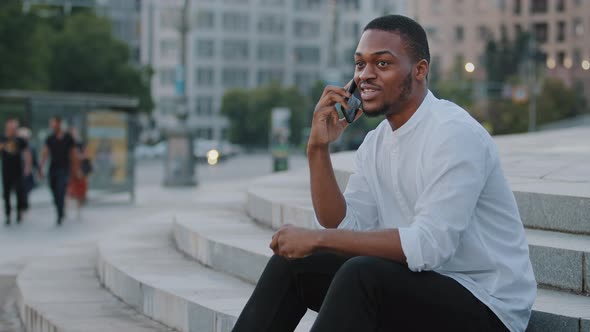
x: 359, y: 64
x: 382, y: 63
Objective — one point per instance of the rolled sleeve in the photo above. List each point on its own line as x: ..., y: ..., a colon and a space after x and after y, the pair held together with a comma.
x: 454, y: 178
x: 412, y: 248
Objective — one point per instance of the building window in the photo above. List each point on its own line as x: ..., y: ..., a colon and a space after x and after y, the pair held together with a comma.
x: 271, y: 24
x: 561, y: 31
x: 204, y: 105
x: 236, y: 22
x: 484, y: 33
x: 205, y: 48
x: 384, y: 6
x: 306, y: 29
x: 271, y: 52
x: 432, y: 33
x: 205, y: 19
x: 166, y: 105
x: 560, y: 6
x: 267, y: 76
x: 459, y: 33
x: 234, y: 78
x: 307, y: 4
x: 305, y: 80
x: 517, y: 29
x: 539, y: 6
x: 273, y: 3
x: 577, y: 56
x: 350, y: 29
x: 541, y: 31
x: 578, y: 27
x: 167, y: 76
x: 235, y: 50
x: 169, y: 48
x: 349, y: 4
x: 204, y: 77
x: 170, y: 18
x: 561, y: 58
x: 517, y: 9
x: 205, y: 133
x: 307, y: 55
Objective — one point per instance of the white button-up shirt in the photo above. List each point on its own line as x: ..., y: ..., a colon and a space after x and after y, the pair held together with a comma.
x: 438, y: 180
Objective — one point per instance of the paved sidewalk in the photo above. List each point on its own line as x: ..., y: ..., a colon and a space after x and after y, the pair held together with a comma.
x: 38, y: 234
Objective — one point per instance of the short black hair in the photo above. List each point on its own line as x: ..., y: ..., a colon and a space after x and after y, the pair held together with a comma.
x: 411, y: 32
x: 57, y: 118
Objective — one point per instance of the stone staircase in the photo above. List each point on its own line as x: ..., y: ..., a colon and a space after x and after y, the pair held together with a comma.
x: 194, y: 269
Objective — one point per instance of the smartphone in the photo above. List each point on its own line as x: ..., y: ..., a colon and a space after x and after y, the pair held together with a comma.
x: 354, y: 103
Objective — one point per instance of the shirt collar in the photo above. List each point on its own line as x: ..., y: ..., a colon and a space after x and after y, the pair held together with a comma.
x: 417, y: 116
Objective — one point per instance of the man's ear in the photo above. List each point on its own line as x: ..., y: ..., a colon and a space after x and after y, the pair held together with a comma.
x: 422, y: 68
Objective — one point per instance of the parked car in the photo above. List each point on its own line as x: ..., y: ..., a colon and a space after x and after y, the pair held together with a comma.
x: 212, y: 151
x: 155, y: 151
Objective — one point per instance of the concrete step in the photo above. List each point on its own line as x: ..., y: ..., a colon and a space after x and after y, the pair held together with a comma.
x: 236, y: 246
x: 142, y: 267
x: 560, y: 311
x: 558, y: 203
x: 560, y: 260
x: 61, y: 292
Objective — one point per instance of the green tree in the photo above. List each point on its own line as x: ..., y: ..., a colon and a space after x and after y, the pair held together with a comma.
x: 87, y: 58
x: 44, y: 49
x: 556, y: 102
x: 249, y: 112
x: 24, y: 48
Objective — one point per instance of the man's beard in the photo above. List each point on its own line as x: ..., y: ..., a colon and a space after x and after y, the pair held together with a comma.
x: 392, y: 108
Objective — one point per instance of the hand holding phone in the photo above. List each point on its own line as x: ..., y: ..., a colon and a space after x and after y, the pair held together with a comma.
x: 354, y: 103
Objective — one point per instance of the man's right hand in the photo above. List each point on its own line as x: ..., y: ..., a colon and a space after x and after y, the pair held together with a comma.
x: 326, y: 125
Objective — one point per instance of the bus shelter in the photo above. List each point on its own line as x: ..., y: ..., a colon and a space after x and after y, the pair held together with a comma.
x: 106, y: 123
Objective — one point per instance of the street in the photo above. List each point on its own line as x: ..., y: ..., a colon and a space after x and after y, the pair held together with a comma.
x: 38, y: 233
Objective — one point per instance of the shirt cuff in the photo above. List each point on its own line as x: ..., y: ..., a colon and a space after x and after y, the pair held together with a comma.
x: 409, y: 238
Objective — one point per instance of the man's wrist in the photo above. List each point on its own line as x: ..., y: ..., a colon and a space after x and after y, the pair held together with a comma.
x: 315, y: 148
x: 319, y: 239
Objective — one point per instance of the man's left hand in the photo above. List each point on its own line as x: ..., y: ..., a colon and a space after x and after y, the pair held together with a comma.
x: 294, y: 242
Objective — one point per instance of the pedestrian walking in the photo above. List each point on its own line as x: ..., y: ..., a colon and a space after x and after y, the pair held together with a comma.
x: 29, y: 180
x: 78, y: 184
x: 16, y: 164
x: 60, y: 148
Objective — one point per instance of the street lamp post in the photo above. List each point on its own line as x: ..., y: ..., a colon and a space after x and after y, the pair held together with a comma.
x: 532, y: 77
x: 179, y: 163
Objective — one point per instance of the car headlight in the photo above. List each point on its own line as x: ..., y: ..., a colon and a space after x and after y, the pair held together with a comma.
x: 212, y: 156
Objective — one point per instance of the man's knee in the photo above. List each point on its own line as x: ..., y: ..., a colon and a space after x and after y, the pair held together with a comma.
x: 368, y: 271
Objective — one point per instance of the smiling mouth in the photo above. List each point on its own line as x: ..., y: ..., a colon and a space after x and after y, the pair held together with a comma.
x: 369, y: 93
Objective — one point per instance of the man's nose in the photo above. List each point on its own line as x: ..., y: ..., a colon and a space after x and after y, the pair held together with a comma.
x: 367, y: 73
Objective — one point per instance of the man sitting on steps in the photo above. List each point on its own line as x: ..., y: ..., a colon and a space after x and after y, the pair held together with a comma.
x: 427, y: 235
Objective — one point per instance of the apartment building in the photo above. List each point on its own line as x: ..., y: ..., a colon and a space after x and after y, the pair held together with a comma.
x: 458, y: 31
x: 249, y: 43
x: 562, y: 31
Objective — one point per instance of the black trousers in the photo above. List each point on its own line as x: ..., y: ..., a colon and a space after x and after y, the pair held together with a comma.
x: 58, y: 182
x: 360, y: 294
x: 10, y: 183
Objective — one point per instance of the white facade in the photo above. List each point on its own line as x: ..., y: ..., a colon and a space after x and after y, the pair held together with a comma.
x: 248, y: 43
